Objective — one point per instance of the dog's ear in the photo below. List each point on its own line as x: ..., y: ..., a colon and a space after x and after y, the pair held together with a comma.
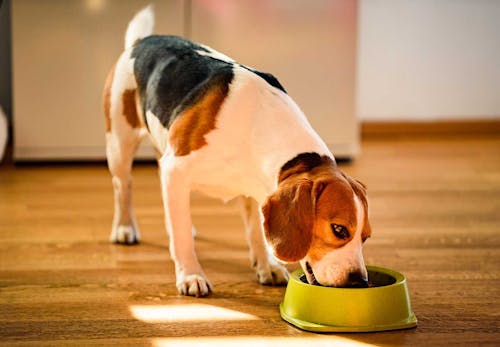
x: 289, y: 219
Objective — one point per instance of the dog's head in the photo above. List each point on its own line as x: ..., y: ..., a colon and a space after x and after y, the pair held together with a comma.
x: 319, y: 217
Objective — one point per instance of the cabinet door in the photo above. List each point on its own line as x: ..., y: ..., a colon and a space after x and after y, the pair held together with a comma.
x: 62, y: 52
x: 310, y: 46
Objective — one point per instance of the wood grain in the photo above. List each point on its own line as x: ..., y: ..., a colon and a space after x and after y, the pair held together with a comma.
x: 435, y: 212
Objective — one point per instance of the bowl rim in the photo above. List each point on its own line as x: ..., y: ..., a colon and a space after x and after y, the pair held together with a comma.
x: 399, y: 277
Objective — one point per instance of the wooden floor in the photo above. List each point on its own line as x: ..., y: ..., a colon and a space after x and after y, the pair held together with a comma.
x: 435, y: 209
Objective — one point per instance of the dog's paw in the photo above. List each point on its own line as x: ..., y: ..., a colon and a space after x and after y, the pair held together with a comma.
x: 193, y: 285
x: 125, y: 234
x: 272, y: 274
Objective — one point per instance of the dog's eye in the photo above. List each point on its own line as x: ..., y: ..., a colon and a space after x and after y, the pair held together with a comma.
x: 340, y: 231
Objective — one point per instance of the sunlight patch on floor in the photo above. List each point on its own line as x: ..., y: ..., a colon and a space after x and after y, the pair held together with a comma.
x: 186, y: 312
x: 260, y: 341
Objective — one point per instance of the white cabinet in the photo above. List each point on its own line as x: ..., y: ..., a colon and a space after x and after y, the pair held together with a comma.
x: 62, y: 51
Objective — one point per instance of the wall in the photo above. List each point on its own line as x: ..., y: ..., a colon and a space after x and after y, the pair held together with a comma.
x: 428, y: 59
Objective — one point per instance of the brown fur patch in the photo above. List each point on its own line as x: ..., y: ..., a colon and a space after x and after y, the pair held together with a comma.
x: 188, y: 131
x: 129, y: 107
x: 107, y: 98
x: 335, y: 205
x: 289, y: 219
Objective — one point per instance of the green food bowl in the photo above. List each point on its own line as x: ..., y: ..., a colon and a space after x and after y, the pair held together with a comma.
x: 385, y: 305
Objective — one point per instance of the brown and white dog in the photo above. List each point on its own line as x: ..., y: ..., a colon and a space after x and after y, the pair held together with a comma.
x: 230, y: 131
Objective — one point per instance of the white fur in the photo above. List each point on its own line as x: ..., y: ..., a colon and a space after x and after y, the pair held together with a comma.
x: 175, y: 192
x: 158, y: 133
x: 214, y: 54
x: 140, y: 26
x: 254, y: 118
x: 121, y: 144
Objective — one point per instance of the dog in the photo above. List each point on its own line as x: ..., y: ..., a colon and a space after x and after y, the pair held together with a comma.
x: 230, y: 131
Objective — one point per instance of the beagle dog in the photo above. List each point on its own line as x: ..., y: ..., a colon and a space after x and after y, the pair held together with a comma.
x: 230, y: 131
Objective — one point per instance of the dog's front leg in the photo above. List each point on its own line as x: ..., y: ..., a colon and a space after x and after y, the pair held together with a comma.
x: 190, y: 279
x: 268, y: 270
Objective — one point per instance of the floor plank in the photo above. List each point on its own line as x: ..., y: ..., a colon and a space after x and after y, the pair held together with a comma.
x: 435, y: 211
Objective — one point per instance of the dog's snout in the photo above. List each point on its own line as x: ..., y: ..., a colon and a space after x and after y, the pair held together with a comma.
x: 357, y: 280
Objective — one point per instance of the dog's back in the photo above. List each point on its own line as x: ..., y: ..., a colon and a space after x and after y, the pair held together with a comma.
x: 174, y: 74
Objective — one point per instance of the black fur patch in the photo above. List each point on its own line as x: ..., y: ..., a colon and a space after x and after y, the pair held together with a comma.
x: 304, y: 162
x: 268, y: 78
x: 172, y: 76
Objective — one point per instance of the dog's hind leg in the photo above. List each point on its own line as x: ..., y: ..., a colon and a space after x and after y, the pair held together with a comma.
x: 268, y: 270
x: 123, y: 135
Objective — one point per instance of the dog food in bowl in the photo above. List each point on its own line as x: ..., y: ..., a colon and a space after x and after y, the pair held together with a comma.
x: 375, y: 279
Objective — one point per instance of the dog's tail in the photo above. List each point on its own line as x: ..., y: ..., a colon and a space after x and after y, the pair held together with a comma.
x: 140, y: 26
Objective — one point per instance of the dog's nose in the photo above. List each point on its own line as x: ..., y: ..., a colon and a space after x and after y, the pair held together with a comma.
x: 356, y: 280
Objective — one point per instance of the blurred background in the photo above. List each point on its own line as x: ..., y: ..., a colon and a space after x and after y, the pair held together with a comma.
x: 345, y: 62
